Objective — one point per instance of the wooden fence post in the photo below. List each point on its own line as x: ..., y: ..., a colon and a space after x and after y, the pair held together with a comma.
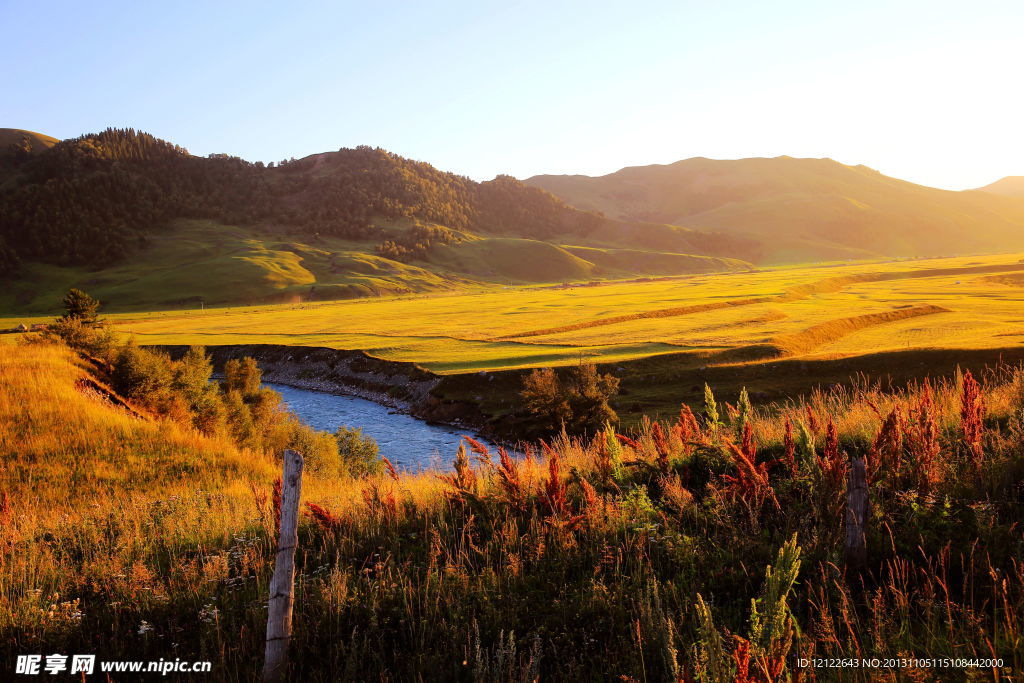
x: 279, y: 608
x: 857, y: 514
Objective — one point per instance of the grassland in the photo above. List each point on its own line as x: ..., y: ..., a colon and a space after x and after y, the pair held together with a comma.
x: 203, y: 262
x: 778, y: 332
x: 812, y: 312
x: 625, y: 557
x: 67, y: 427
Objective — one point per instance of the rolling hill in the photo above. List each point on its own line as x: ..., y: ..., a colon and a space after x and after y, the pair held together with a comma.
x: 802, y: 209
x: 141, y: 222
x: 30, y: 141
x: 1010, y: 186
x: 18, y: 146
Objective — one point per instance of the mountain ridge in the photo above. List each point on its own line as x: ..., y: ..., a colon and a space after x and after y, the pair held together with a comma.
x: 1010, y: 186
x: 819, y: 201
x: 121, y: 209
x: 122, y: 206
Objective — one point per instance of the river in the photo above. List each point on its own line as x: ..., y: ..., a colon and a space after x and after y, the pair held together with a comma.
x: 406, y: 441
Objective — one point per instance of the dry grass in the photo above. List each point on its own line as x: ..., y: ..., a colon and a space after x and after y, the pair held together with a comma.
x: 56, y: 423
x: 586, y: 559
x: 805, y: 341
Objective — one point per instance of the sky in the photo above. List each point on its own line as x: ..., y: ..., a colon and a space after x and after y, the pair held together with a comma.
x: 925, y: 91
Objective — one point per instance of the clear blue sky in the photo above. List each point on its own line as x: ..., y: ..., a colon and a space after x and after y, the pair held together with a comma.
x: 928, y: 91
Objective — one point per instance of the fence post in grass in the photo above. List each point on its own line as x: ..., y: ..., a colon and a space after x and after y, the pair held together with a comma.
x: 279, y: 608
x: 856, y: 515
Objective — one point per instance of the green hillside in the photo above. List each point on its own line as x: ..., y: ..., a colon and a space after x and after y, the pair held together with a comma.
x: 802, y: 209
x: 194, y: 263
x: 198, y: 262
x: 140, y: 221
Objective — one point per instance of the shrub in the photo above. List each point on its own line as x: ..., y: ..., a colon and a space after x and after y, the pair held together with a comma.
x: 359, y: 453
x: 92, y: 339
x: 542, y: 397
x: 243, y: 376
x: 208, y: 412
x: 589, y: 393
x: 319, y: 449
x: 143, y: 375
x: 239, y: 419
x: 192, y: 373
x: 579, y: 402
x: 239, y: 407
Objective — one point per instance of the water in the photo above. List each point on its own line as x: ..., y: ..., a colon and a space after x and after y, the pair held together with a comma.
x: 406, y: 441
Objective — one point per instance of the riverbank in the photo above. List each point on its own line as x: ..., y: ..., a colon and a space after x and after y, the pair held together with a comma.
x: 487, y: 402
x: 402, y: 386
x: 411, y: 444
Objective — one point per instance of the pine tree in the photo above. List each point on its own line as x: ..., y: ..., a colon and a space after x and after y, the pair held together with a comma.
x: 81, y: 307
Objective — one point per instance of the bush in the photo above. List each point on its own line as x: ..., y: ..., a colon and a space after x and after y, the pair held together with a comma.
x: 589, y: 393
x: 91, y: 339
x: 240, y: 406
x: 141, y: 374
x: 208, y: 412
x: 243, y: 376
x: 319, y: 449
x: 542, y: 396
x: 359, y: 453
x: 579, y: 402
x: 239, y: 420
x: 192, y: 374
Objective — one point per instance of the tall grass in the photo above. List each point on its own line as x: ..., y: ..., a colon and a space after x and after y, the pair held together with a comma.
x: 681, y: 550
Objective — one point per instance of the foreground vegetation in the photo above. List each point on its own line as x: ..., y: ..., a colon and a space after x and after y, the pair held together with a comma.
x: 136, y: 534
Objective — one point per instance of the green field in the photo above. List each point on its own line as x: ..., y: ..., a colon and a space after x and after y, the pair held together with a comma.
x: 716, y: 319
x: 196, y: 262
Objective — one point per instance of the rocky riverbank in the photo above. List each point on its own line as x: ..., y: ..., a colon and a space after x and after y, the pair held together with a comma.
x: 406, y: 387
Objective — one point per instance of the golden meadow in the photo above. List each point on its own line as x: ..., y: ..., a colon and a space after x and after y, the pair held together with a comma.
x: 706, y: 546
x: 815, y: 311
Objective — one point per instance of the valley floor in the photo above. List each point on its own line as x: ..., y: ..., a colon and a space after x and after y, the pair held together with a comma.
x: 778, y: 332
x: 814, y: 312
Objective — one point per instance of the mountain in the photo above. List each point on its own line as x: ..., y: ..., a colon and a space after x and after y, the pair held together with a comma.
x: 142, y: 222
x: 1011, y: 186
x: 127, y: 213
x: 801, y: 209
